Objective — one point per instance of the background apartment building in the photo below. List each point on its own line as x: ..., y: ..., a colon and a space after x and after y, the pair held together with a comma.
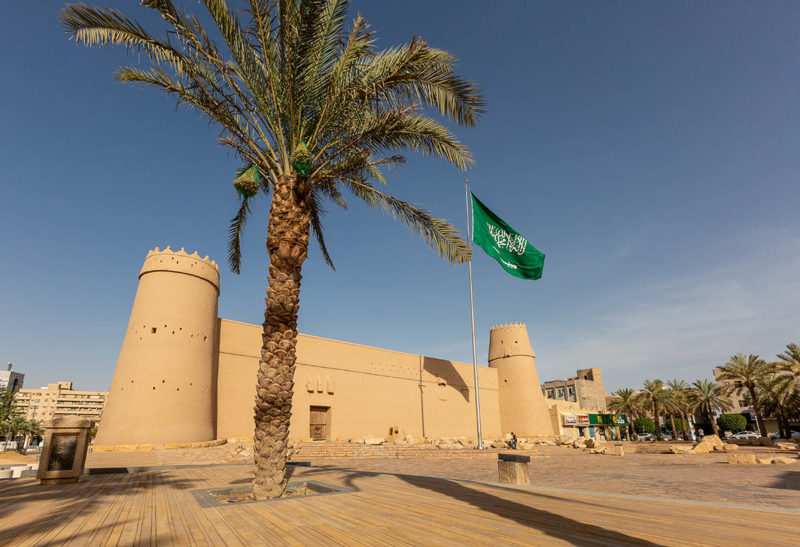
x: 60, y: 399
x: 586, y: 389
x: 10, y: 379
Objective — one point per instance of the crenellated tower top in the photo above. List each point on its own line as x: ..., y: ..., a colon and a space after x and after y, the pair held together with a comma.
x: 167, y: 260
x: 509, y: 340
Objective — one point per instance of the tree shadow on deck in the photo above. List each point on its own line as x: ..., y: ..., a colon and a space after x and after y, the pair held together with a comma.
x: 549, y: 523
x: 788, y: 480
x: 59, y: 505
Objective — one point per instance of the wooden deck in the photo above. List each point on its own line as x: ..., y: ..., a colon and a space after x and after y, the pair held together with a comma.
x: 157, y: 507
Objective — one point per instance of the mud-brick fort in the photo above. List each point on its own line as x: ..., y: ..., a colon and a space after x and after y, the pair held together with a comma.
x: 185, y: 375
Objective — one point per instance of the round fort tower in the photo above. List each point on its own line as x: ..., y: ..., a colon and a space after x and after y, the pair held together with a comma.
x: 522, y: 406
x: 164, y: 383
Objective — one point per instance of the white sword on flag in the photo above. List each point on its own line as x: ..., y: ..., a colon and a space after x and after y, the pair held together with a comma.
x: 472, y: 317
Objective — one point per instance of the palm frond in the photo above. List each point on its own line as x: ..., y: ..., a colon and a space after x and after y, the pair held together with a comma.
x: 101, y: 27
x: 439, y: 234
x: 235, y: 230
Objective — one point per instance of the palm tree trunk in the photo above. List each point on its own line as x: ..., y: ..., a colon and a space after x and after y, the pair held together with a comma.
x: 674, y: 431
x: 287, y: 245
x: 759, y: 419
x: 711, y: 419
x: 783, y: 424
x: 655, y: 419
x: 684, y: 423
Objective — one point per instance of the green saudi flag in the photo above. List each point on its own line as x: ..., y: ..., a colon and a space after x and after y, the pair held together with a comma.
x: 504, y: 244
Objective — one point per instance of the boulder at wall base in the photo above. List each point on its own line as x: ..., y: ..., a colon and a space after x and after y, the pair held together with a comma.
x: 731, y: 447
x: 680, y: 449
x: 590, y: 443
x: 785, y: 446
x: 374, y: 441
x: 742, y: 458
x: 781, y: 460
x: 450, y: 446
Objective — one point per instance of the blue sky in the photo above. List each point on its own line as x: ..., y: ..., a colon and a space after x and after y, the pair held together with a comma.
x: 651, y: 150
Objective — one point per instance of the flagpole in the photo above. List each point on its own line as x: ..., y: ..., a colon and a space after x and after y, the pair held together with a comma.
x: 472, y: 317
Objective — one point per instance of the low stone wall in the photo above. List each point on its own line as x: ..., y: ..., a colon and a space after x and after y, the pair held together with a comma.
x: 130, y: 447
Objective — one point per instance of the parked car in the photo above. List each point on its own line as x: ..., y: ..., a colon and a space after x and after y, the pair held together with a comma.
x: 666, y: 437
x: 777, y: 436
x: 745, y: 435
x: 647, y: 437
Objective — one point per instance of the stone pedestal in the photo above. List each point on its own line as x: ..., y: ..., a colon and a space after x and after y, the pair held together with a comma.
x: 65, y: 445
x: 513, y: 469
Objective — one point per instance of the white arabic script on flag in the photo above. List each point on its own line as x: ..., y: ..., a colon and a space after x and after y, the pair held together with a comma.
x: 514, y: 243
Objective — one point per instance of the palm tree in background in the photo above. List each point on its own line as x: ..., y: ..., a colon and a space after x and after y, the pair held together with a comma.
x: 313, y: 110
x: 18, y: 425
x: 624, y: 402
x: 671, y: 406
x: 708, y: 397
x: 777, y: 395
x: 652, y: 397
x: 746, y: 372
x: 35, y: 428
x: 679, y: 395
x: 790, y: 360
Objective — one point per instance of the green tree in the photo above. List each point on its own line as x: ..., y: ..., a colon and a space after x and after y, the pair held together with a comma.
x: 8, y: 409
x: 644, y: 425
x: 652, y: 398
x: 708, y: 397
x: 624, y: 402
x: 732, y: 422
x: 746, y: 372
x: 313, y: 110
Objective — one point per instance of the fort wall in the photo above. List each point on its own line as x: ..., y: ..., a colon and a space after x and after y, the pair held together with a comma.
x: 368, y: 390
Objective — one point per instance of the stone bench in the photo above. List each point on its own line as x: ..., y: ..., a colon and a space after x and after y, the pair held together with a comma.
x: 513, y: 469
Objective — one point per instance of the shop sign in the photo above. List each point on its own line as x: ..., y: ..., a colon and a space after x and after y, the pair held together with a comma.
x: 608, y: 419
x: 570, y: 419
x: 583, y: 419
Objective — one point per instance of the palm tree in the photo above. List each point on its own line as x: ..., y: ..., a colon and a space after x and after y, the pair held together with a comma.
x: 746, y: 372
x: 708, y: 397
x: 790, y: 359
x: 18, y: 425
x: 312, y: 110
x: 776, y: 395
x: 35, y: 428
x: 678, y: 390
x: 653, y: 397
x: 625, y: 402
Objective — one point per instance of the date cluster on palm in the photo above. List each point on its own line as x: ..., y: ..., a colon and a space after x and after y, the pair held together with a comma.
x: 301, y: 159
x: 248, y: 182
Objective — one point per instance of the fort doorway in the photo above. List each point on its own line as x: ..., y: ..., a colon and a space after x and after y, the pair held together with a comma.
x: 320, y: 423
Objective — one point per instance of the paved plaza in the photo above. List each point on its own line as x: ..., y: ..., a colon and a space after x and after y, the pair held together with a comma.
x: 574, y: 498
x: 700, y: 477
